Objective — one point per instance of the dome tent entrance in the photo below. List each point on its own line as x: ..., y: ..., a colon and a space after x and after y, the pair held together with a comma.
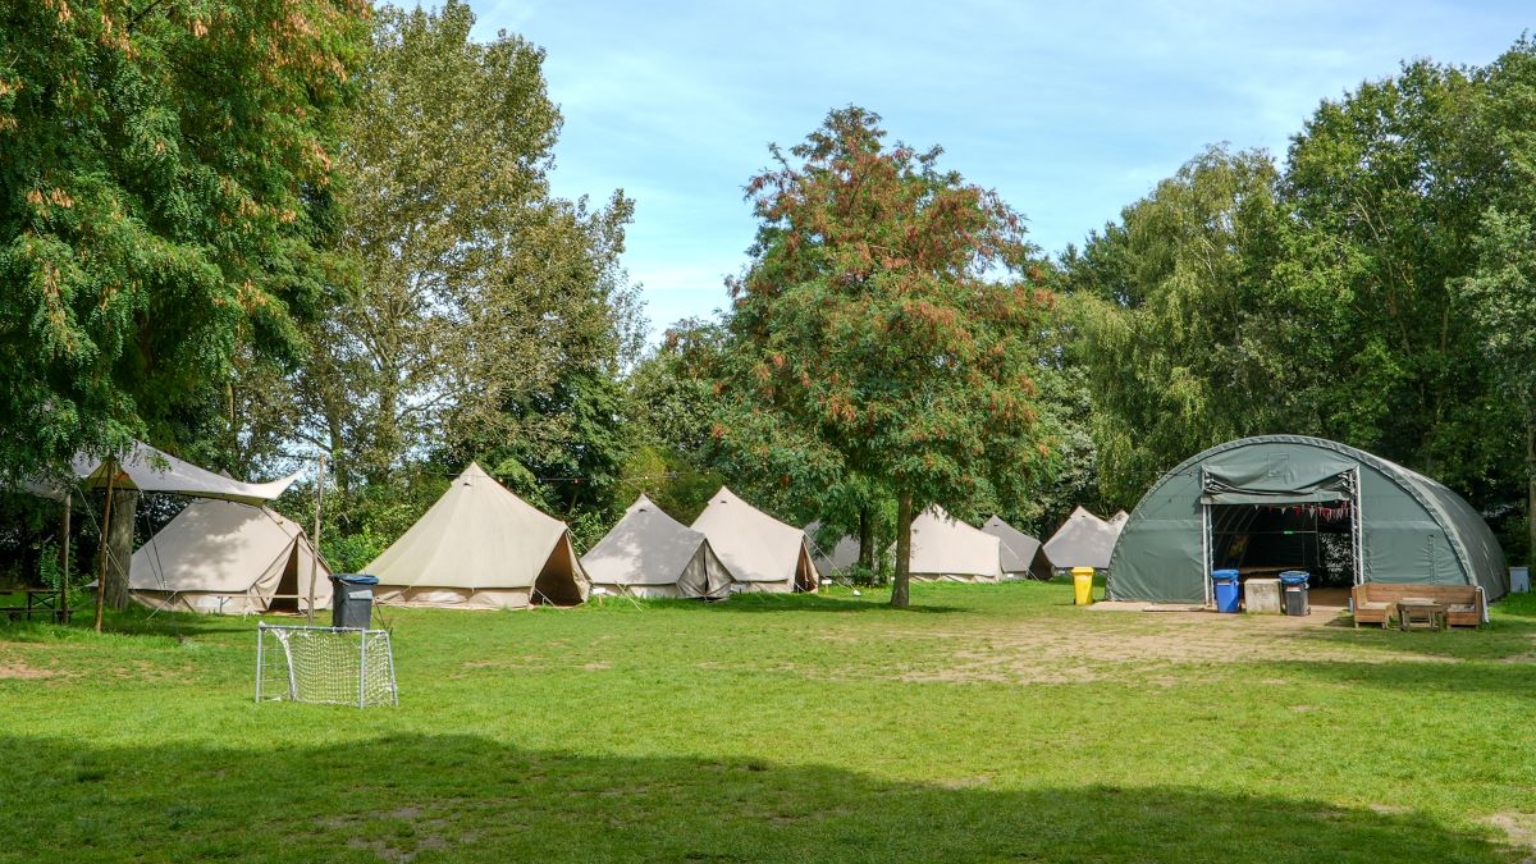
x: 1390, y: 524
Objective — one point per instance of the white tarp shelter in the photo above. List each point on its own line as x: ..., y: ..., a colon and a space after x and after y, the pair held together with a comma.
x: 1022, y: 554
x: 944, y: 549
x: 220, y: 556
x: 650, y: 554
x: 1084, y: 540
x: 481, y: 547
x: 149, y: 470
x: 762, y: 553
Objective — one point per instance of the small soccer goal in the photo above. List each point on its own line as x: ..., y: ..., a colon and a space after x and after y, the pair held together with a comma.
x: 325, y: 666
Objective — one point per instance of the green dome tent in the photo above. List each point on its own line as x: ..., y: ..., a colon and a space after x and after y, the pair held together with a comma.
x: 1292, y: 502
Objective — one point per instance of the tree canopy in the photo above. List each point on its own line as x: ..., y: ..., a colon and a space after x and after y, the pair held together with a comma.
x: 163, y: 196
x: 876, y: 333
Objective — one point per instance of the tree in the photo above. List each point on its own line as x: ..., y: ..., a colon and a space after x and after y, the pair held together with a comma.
x: 476, y: 292
x: 1500, y: 293
x: 163, y: 167
x: 1169, y: 301
x: 1385, y: 192
x: 872, y: 335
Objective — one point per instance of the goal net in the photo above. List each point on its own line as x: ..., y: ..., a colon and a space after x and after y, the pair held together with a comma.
x: 325, y: 665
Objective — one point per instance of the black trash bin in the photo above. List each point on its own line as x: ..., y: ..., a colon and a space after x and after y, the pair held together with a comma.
x: 1294, y: 585
x: 352, y: 600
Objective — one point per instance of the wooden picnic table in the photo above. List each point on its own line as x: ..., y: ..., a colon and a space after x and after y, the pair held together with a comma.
x: 1420, y: 613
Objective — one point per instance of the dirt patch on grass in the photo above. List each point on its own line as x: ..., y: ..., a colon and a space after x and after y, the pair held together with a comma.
x: 1145, y: 650
x: 16, y: 669
x: 1519, y: 829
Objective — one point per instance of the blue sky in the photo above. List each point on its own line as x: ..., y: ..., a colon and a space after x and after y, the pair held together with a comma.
x: 1069, y: 110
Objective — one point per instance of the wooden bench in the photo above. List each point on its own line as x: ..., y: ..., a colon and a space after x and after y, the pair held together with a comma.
x: 1376, y: 602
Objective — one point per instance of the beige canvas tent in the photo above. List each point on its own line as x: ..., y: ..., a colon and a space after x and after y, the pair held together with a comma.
x: 481, y: 547
x: 1023, y: 555
x: 762, y: 553
x: 650, y: 554
x: 220, y: 556
x: 840, y: 557
x: 1084, y: 540
x: 945, y: 549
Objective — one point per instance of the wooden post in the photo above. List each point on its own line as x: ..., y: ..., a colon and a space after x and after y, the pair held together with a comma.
x: 69, y: 498
x: 314, y: 543
x: 106, y: 521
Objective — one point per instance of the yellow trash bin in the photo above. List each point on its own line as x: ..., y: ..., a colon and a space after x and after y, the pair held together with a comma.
x: 1082, y: 585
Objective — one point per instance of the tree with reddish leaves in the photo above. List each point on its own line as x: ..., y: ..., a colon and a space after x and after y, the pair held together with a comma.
x: 882, y: 330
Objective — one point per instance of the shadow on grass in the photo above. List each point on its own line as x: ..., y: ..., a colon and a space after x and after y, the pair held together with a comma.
x: 468, y: 799
x: 134, y: 621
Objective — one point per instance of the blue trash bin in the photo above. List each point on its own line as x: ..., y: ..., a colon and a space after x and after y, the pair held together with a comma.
x: 352, y: 600
x: 1294, y: 584
x: 1228, y: 592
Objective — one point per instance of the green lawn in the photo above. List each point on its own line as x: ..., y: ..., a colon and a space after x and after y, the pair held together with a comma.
x: 993, y: 723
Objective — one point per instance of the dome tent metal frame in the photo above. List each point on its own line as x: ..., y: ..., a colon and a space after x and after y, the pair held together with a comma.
x: 1407, y: 528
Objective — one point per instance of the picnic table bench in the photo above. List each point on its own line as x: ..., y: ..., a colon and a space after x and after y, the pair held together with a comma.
x: 1442, y: 605
x: 33, y: 601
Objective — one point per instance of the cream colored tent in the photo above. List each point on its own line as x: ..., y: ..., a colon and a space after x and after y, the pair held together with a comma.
x: 650, y: 554
x: 219, y: 556
x: 1084, y: 540
x: 481, y: 547
x: 945, y: 549
x: 763, y: 554
x: 1023, y: 555
x: 839, y: 558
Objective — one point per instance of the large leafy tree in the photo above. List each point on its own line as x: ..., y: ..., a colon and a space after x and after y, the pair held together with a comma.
x: 162, y: 171
x: 1386, y: 191
x: 875, y: 333
x: 1500, y: 293
x: 1168, y: 300
x: 482, y: 304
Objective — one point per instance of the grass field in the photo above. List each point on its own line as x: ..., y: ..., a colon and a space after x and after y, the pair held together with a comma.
x: 991, y: 723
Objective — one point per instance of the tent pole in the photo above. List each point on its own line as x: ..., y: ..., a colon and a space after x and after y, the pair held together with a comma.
x: 69, y: 499
x: 314, y: 546
x: 106, y: 522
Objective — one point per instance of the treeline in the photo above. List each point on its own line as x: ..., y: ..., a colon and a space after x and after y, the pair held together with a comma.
x: 338, y: 237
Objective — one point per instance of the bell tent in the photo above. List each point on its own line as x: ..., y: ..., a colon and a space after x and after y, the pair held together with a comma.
x: 481, y: 547
x: 762, y: 553
x: 220, y: 556
x: 1275, y: 502
x: 1084, y: 540
x: 1023, y: 555
x: 650, y: 554
x: 841, y: 556
x: 944, y: 549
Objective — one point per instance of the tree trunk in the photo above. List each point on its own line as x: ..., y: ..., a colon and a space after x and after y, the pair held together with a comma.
x: 900, y: 585
x: 125, y: 509
x: 867, y: 541
x: 1530, y: 483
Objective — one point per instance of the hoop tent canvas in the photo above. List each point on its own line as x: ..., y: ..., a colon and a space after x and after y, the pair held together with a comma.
x: 944, y: 549
x: 220, y: 556
x: 762, y: 553
x: 481, y: 547
x: 1404, y: 527
x: 1023, y: 556
x: 650, y: 554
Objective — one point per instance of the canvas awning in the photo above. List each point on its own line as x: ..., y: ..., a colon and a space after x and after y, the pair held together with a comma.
x: 149, y: 470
